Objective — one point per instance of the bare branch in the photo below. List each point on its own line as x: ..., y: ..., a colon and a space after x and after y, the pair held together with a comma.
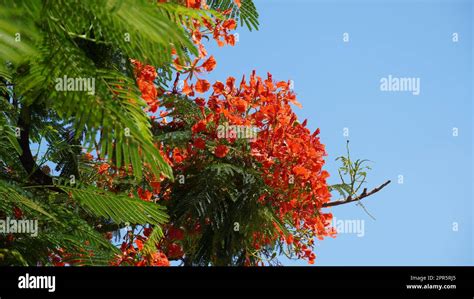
x: 349, y: 199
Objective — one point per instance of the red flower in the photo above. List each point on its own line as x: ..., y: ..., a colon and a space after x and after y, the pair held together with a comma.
x: 230, y: 83
x: 200, y: 102
x: 144, y: 194
x: 159, y: 259
x: 139, y: 244
x: 209, y: 64
x: 156, y: 186
x: 199, y: 126
x: 241, y: 106
x: 230, y: 39
x: 199, y: 143
x: 148, y: 73
x: 177, y: 156
x: 202, y: 86
x: 218, y: 87
x: 221, y: 151
x: 175, y: 251
x: 229, y: 24
x: 18, y: 213
x: 188, y: 89
x: 145, y: 77
x: 301, y: 171
x: 103, y: 168
x: 193, y: 3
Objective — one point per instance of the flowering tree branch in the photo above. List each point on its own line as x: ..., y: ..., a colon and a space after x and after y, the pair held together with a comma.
x: 350, y: 199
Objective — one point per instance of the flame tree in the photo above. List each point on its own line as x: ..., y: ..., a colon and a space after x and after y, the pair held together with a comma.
x: 112, y: 138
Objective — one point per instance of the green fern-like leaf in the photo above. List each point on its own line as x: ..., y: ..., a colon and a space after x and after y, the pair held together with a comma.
x: 12, y: 195
x: 118, y: 208
x: 155, y: 236
x: 247, y: 13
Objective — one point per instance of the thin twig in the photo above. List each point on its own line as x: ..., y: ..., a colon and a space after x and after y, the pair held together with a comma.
x: 350, y: 199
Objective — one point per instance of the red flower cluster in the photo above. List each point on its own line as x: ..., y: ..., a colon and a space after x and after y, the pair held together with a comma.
x: 145, y: 76
x: 291, y: 157
x: 132, y: 255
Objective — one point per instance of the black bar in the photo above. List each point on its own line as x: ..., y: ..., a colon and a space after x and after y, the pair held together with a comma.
x: 297, y: 282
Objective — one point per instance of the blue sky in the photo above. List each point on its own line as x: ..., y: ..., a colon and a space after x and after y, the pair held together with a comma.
x: 338, y: 84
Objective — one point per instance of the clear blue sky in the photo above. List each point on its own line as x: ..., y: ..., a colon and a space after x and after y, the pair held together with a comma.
x: 338, y: 85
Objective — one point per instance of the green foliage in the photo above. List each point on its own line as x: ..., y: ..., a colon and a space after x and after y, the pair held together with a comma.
x: 11, y: 196
x: 247, y: 13
x: 120, y: 209
x: 115, y: 105
x: 227, y: 195
x: 60, y: 227
x: 41, y: 41
x: 154, y: 238
x: 353, y: 176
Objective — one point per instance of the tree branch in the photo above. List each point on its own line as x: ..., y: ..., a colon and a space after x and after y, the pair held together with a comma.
x: 27, y: 161
x: 349, y: 199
